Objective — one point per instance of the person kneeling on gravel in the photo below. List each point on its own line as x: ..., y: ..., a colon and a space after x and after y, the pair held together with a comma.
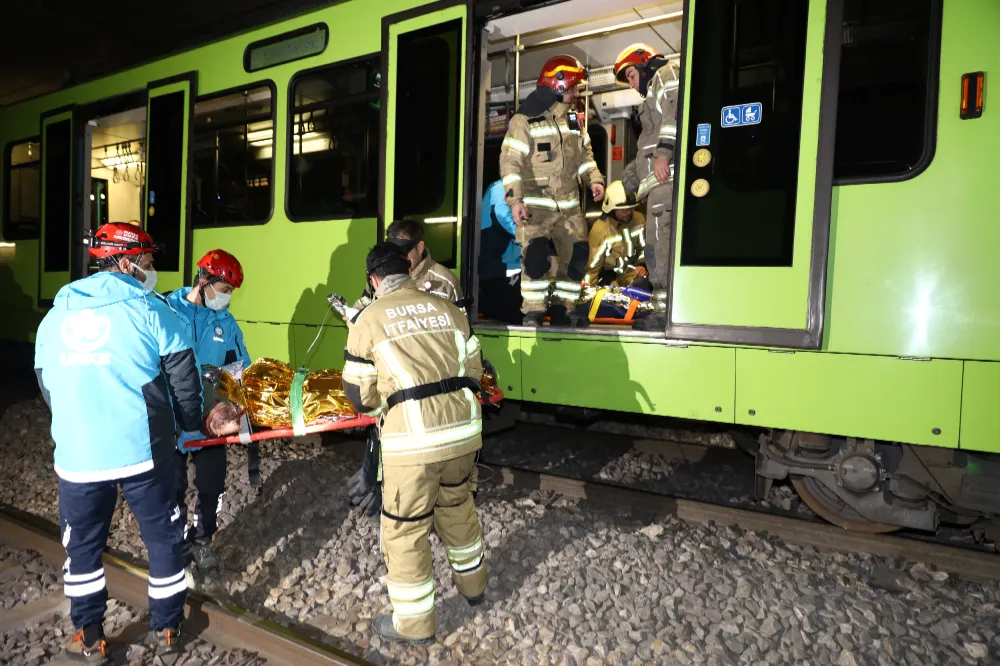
x: 115, y: 366
x: 414, y: 353
x: 203, y: 310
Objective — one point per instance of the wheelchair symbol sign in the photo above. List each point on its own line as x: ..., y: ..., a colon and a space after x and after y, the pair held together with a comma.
x: 731, y: 116
x: 742, y: 114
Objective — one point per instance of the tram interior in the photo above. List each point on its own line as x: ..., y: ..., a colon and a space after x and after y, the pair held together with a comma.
x: 117, y: 167
x: 594, y: 32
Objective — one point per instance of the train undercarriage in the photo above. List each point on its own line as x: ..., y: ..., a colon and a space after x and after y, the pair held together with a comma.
x: 871, y: 486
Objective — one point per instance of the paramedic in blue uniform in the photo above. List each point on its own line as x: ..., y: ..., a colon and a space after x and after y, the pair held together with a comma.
x: 116, y: 368
x: 499, y: 260
x: 204, y: 313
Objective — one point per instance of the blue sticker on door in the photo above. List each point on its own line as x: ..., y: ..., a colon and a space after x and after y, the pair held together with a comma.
x: 704, y: 134
x: 742, y: 114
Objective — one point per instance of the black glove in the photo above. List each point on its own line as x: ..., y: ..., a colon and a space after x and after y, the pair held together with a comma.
x: 363, y: 488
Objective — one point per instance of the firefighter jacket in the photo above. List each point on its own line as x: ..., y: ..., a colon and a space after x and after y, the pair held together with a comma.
x: 116, y: 368
x: 432, y: 277
x: 407, y: 339
x: 542, y: 157
x: 658, y: 114
x: 615, y: 249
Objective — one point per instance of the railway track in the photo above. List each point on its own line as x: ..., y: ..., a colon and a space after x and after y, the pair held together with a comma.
x: 219, y: 623
x: 966, y: 563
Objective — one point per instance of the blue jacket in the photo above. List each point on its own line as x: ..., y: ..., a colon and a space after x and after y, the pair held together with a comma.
x: 499, y: 252
x: 111, y: 360
x: 216, y: 336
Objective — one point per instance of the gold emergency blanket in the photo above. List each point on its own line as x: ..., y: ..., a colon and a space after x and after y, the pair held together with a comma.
x: 266, y: 393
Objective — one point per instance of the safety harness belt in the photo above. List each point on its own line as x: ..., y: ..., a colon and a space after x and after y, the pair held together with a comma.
x: 450, y: 385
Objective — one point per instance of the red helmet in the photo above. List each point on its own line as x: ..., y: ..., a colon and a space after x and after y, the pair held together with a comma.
x: 637, y: 54
x: 223, y: 265
x: 119, y: 238
x: 561, y: 72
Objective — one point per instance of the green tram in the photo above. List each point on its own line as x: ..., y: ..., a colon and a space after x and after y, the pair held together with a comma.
x: 835, y: 295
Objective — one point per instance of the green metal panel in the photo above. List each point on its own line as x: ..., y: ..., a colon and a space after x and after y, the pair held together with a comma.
x: 504, y: 352
x: 170, y: 280
x: 859, y: 396
x: 329, y: 349
x: 691, y: 382
x: 770, y: 297
x: 981, y: 407
x: 459, y: 12
x: 266, y: 340
x: 49, y: 281
x: 914, y: 270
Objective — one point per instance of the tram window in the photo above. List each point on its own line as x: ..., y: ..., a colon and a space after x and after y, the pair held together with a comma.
x: 748, y: 51
x: 334, y: 142
x: 887, y: 70
x: 427, y: 122
x: 232, y: 178
x: 23, y: 191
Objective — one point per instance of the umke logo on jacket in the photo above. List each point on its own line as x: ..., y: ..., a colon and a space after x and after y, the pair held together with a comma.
x: 84, y: 333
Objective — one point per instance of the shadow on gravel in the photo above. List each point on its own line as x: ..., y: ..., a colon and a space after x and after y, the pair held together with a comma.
x: 302, y: 500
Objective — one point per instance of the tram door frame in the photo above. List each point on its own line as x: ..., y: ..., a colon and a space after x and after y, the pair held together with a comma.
x: 767, y: 305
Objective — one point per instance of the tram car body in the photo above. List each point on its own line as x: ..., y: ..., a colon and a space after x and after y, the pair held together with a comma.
x: 834, y: 295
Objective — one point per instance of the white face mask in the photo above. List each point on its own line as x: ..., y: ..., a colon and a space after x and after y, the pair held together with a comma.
x: 219, y: 302
x: 149, y: 280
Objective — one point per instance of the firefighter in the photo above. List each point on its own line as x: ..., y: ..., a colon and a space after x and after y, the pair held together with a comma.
x: 115, y: 366
x: 542, y: 158
x: 203, y: 310
x: 414, y: 353
x: 616, y: 241
x: 427, y: 274
x: 650, y: 176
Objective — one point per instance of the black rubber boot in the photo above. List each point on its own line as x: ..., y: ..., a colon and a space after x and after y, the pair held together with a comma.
x: 533, y: 319
x: 382, y: 626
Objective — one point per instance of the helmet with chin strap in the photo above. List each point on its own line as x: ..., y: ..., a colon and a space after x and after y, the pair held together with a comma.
x: 223, y: 266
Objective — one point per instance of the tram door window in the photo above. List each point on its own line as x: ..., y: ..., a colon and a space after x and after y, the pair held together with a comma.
x: 117, y: 167
x: 232, y: 175
x: 333, y: 158
x: 428, y: 93
x: 23, y: 191
x: 887, y: 64
x: 748, y: 52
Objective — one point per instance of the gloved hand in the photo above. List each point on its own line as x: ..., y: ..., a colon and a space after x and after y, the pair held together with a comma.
x: 363, y: 488
x: 366, y: 496
x: 488, y: 367
x: 187, y: 437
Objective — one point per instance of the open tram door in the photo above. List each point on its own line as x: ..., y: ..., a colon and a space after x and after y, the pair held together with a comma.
x: 55, y: 248
x: 166, y: 210
x: 425, y: 119
x: 754, y: 171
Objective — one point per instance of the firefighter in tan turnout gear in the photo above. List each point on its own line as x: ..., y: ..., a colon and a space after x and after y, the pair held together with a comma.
x: 650, y: 176
x: 542, y: 159
x: 412, y: 355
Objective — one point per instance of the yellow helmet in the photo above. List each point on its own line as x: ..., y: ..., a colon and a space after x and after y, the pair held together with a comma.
x: 616, y: 199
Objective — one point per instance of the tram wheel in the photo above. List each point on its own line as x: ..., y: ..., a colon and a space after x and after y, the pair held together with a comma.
x: 832, y: 509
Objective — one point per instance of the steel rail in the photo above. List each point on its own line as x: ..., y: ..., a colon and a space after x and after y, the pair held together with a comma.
x: 969, y: 564
x: 220, y: 623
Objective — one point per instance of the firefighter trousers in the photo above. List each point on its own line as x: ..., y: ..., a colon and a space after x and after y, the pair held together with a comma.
x: 210, y: 483
x: 659, y: 224
x: 413, y: 498
x: 567, y: 230
x: 85, y: 513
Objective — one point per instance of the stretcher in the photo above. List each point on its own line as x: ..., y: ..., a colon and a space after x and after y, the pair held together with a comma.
x: 323, y: 424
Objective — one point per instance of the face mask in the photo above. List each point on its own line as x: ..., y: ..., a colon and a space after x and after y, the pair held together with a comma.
x: 219, y: 302
x: 150, y: 282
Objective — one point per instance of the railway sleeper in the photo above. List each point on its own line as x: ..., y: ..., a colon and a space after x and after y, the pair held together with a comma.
x: 874, y: 486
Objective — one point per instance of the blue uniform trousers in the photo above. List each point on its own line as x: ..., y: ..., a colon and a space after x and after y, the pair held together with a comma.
x: 86, y: 510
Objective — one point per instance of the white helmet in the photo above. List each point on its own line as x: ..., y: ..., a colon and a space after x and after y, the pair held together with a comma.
x: 616, y: 199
